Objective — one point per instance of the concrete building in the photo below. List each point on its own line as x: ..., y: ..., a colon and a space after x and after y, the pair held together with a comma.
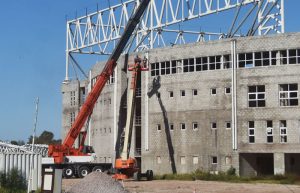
x: 207, y: 105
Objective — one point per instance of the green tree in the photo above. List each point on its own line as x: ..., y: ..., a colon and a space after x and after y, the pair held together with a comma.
x: 19, y: 142
x: 46, y: 137
x: 30, y: 139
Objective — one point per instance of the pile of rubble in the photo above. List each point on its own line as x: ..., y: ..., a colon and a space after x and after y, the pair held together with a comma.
x: 97, y: 182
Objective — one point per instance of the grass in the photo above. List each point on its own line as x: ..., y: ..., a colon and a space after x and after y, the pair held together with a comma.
x: 9, y: 190
x: 230, y: 176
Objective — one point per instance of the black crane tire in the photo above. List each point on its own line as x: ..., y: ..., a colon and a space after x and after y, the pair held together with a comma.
x: 98, y: 169
x: 83, y: 171
x: 68, y: 172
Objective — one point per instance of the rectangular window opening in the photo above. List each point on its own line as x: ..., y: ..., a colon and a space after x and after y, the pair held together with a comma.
x: 213, y: 125
x: 269, y: 131
x: 256, y: 96
x: 214, y: 160
x: 283, y: 131
x: 182, y: 126
x: 195, y: 92
x: 195, y: 126
x: 213, y: 91
x: 228, y: 125
x: 158, y: 127
x: 227, y: 90
x: 171, y: 126
x: 182, y: 93
x: 251, y: 132
x: 288, y: 94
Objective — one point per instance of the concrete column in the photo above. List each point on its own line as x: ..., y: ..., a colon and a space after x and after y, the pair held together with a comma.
x: 279, y: 165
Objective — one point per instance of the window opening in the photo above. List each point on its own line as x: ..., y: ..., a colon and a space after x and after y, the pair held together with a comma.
x: 182, y: 126
x: 213, y: 91
x: 269, y: 131
x: 251, y: 132
x: 288, y: 94
x: 256, y: 96
x: 283, y: 131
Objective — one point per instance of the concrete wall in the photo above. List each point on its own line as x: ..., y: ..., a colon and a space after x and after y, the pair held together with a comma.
x: 202, y: 109
x: 166, y: 151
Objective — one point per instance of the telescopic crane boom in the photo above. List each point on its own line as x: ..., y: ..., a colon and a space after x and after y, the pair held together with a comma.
x: 58, y: 152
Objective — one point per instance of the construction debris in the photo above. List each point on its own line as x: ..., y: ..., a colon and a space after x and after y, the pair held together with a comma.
x: 97, y: 182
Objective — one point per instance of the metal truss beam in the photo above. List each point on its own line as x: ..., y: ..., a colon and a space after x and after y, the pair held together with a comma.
x: 97, y: 33
x: 271, y: 17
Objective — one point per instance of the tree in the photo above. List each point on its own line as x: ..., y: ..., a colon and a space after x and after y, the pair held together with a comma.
x: 30, y: 139
x: 19, y: 142
x: 46, y: 137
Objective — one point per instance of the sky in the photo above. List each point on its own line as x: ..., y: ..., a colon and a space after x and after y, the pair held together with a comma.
x: 32, y: 60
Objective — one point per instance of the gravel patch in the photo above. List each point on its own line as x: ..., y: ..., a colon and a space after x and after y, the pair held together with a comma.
x: 97, y: 182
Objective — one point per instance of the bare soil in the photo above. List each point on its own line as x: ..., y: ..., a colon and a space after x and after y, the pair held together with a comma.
x: 173, y: 186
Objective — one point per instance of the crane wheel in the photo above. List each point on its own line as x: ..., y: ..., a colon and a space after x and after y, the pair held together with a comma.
x: 98, y: 169
x: 149, y: 175
x: 83, y: 171
x: 68, y: 172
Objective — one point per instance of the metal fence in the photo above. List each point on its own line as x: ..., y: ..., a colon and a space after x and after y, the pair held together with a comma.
x: 19, y: 157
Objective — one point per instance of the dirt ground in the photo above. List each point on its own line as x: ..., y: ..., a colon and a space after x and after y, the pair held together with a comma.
x: 163, y: 186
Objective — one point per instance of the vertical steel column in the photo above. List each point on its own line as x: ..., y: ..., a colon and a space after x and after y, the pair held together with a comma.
x: 259, y: 16
x: 282, y: 16
x: 151, y: 26
x: 67, y: 53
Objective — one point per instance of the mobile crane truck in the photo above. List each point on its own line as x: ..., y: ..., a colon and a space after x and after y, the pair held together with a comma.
x: 80, y: 161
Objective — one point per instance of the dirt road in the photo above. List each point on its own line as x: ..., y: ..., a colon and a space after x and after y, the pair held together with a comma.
x: 171, y: 186
x: 207, y: 187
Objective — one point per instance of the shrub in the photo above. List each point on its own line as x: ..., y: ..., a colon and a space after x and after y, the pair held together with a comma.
x: 12, y: 182
x: 231, y: 171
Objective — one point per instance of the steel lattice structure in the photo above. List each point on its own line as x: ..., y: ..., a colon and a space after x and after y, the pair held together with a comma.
x: 97, y: 33
x: 8, y: 148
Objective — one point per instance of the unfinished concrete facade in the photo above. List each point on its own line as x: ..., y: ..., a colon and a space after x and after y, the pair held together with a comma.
x: 196, y: 110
